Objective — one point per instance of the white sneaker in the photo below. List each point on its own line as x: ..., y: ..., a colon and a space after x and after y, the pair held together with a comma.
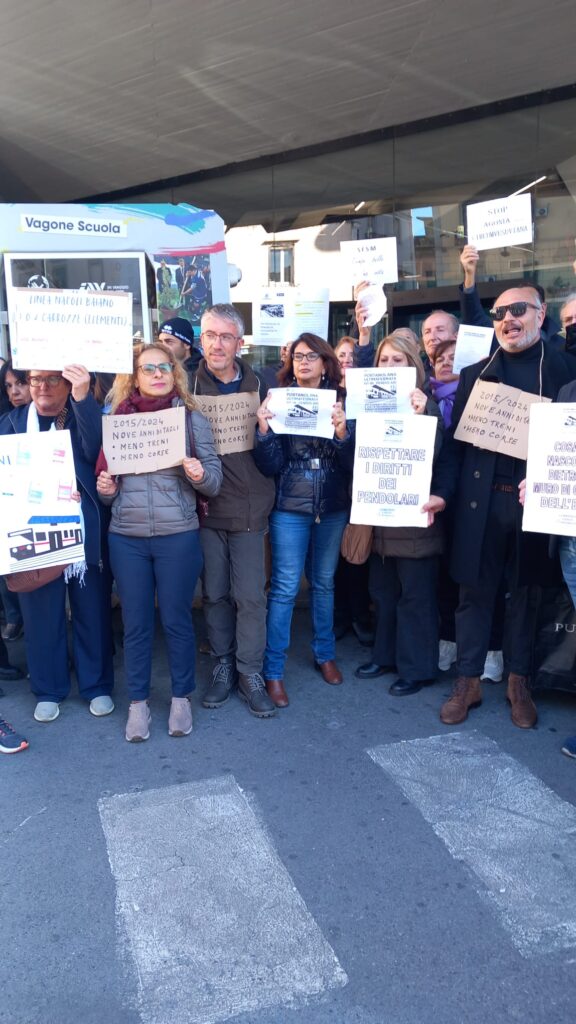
x: 101, y: 706
x: 446, y: 654
x: 46, y: 711
x: 493, y: 666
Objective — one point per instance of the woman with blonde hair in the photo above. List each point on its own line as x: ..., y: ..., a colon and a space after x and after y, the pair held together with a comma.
x: 153, y: 537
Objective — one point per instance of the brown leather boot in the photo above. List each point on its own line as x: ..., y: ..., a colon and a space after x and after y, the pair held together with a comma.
x: 465, y: 695
x: 277, y: 693
x: 524, y: 713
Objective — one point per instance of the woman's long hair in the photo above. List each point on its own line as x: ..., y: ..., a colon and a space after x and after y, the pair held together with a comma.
x: 332, y: 370
x: 125, y: 383
x: 20, y: 375
x: 409, y: 349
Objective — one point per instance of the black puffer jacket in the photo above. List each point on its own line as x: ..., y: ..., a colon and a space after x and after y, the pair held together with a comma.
x: 313, y: 474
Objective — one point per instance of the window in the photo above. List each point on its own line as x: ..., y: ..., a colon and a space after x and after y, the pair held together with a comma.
x: 281, y: 264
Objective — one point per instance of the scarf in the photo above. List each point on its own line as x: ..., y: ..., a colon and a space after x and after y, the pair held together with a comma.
x: 444, y: 393
x: 136, y: 403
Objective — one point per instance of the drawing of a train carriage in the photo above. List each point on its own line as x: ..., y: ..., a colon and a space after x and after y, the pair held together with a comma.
x: 298, y: 412
x: 43, y: 534
x: 378, y: 392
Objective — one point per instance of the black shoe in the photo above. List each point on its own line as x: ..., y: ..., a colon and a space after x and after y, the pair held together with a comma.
x: 252, y: 689
x: 10, y: 672
x: 404, y: 687
x: 224, y: 678
x: 371, y: 670
x: 364, y: 633
x: 12, y: 631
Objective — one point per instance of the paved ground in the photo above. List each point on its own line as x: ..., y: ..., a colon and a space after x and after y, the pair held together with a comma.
x: 303, y: 870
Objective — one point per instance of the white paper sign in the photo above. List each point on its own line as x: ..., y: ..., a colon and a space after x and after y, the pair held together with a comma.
x: 144, y: 442
x: 550, y: 505
x: 281, y: 314
x: 392, y: 470
x: 302, y: 411
x: 472, y: 345
x: 373, y: 259
x: 41, y: 522
x: 500, y: 222
x: 372, y: 303
x: 50, y: 328
x: 380, y: 389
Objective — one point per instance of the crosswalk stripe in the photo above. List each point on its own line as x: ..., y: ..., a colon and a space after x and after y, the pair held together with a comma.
x: 513, y: 832
x: 209, y: 915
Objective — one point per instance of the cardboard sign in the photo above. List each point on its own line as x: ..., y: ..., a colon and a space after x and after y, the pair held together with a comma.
x: 472, y: 345
x: 144, y: 442
x: 232, y: 418
x: 496, y: 417
x: 382, y: 389
x: 302, y: 411
x: 53, y: 327
x: 500, y: 222
x: 392, y: 477
x: 373, y: 259
x: 550, y: 505
x: 42, y: 524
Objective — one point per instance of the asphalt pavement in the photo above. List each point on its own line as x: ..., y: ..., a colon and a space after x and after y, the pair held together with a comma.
x: 332, y: 865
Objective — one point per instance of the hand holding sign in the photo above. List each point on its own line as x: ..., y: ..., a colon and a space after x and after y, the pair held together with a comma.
x: 79, y: 378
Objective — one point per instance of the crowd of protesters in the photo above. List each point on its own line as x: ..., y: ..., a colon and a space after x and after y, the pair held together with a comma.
x: 457, y: 591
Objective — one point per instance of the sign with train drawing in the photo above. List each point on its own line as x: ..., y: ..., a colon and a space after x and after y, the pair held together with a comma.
x: 41, y: 520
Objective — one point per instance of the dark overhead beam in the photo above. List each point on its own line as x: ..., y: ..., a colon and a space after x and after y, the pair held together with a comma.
x: 427, y: 124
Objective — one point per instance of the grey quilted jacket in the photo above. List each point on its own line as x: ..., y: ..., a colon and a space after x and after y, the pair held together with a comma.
x: 161, y: 503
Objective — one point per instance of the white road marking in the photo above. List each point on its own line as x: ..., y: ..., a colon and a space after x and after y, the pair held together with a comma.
x: 208, y: 913
x: 513, y: 832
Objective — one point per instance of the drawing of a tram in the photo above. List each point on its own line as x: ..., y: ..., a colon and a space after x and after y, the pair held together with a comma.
x: 299, y: 412
x: 43, y: 534
x: 378, y: 392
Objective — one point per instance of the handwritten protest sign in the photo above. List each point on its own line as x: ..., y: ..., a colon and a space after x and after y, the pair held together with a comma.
x: 232, y: 418
x: 472, y: 345
x: 379, y: 390
x: 550, y: 505
x: 373, y: 259
x: 50, y: 328
x: 144, y: 442
x: 302, y: 411
x: 496, y: 417
x: 41, y: 522
x: 392, y: 478
x: 500, y: 222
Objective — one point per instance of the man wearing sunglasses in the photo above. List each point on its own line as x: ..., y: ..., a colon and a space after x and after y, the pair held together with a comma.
x: 473, y: 311
x: 488, y: 545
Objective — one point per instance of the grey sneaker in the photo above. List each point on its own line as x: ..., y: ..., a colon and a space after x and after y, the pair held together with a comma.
x: 224, y: 678
x: 138, y: 724
x: 46, y: 711
x: 252, y: 689
x: 180, y: 720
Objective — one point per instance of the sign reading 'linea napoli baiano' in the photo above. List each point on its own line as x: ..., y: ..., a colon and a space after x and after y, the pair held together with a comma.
x: 72, y: 226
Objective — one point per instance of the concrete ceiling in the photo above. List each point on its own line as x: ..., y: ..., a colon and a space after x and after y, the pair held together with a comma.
x: 106, y: 95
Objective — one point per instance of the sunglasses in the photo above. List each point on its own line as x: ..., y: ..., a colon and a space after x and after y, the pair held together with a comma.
x: 516, y: 309
x: 150, y: 368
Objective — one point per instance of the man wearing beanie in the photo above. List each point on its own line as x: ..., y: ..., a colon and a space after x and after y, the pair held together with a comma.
x: 178, y: 334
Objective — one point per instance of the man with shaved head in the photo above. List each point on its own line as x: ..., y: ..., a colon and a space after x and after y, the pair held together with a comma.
x: 489, y: 547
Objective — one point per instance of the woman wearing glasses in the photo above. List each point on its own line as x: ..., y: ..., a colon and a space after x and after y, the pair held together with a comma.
x: 153, y: 538
x: 309, y: 516
x: 62, y: 400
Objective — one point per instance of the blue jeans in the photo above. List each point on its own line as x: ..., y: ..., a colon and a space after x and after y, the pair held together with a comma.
x: 169, y: 566
x: 299, y: 542
x: 567, y: 552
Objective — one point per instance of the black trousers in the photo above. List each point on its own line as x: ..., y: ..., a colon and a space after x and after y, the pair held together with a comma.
x: 476, y: 607
x: 404, y: 592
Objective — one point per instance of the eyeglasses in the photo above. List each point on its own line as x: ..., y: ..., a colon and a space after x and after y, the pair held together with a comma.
x: 310, y: 357
x: 51, y: 381
x: 516, y: 309
x: 150, y: 368
x: 211, y: 336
